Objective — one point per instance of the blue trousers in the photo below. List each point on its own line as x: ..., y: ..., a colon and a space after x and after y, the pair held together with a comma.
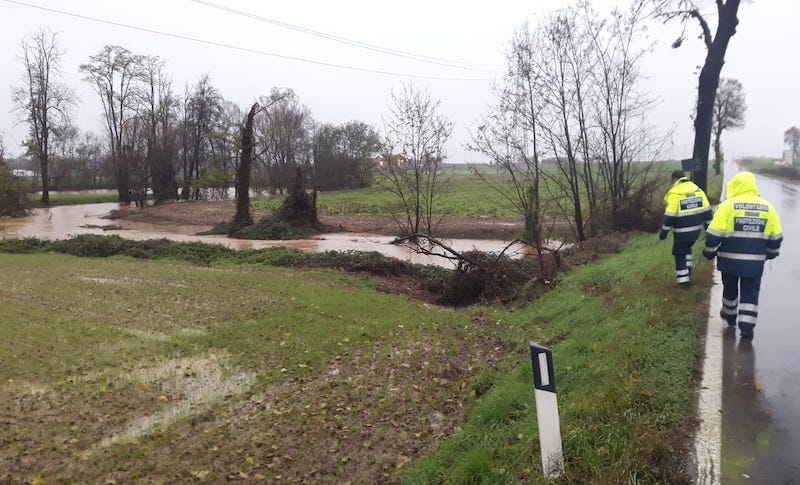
x: 682, y: 250
x: 740, y: 300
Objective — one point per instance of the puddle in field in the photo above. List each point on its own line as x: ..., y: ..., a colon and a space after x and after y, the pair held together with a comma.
x: 187, y: 386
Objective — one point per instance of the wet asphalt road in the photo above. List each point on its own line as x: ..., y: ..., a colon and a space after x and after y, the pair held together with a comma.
x: 761, y: 380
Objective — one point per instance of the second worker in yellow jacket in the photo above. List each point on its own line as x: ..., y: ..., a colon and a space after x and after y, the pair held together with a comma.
x: 687, y: 213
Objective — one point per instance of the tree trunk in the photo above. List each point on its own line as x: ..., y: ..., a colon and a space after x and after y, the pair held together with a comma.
x: 717, y: 152
x: 124, y: 185
x: 45, y: 180
x: 707, y: 88
x: 243, y: 216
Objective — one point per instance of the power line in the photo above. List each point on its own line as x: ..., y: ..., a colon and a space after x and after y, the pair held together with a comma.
x: 239, y: 48
x: 343, y: 40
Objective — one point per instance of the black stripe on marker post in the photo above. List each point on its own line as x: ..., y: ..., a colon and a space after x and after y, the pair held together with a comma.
x: 544, y: 378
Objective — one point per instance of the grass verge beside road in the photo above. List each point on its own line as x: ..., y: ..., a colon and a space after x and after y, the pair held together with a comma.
x: 155, y: 371
x: 625, y: 343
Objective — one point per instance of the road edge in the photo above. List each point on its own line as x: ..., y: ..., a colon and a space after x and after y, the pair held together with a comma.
x: 708, y: 440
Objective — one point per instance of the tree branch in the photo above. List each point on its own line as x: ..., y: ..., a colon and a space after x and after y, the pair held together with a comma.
x: 703, y: 24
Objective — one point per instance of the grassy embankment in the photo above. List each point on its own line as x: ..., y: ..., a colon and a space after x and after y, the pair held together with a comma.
x: 714, y: 191
x: 160, y: 371
x: 766, y: 166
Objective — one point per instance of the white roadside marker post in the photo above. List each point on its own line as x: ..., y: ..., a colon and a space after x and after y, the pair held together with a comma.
x: 544, y: 384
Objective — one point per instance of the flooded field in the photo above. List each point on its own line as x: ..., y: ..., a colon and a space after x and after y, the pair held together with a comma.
x: 65, y: 221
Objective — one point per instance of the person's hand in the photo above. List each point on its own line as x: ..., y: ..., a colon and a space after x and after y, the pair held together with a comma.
x: 663, y: 235
x: 709, y: 255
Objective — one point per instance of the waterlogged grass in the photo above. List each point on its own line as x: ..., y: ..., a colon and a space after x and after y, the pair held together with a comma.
x: 144, y: 371
x: 35, y: 200
x: 625, y: 341
x: 241, y: 370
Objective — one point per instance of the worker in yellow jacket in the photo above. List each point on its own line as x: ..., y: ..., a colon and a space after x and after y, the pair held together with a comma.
x: 687, y: 213
x: 745, y: 232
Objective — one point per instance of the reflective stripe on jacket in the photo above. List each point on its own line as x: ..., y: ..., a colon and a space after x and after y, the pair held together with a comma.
x: 688, y: 211
x: 745, y: 231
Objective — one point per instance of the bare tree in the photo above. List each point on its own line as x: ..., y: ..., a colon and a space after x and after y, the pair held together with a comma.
x: 791, y: 137
x: 113, y: 73
x: 92, y: 162
x: 563, y: 50
x: 510, y: 137
x: 729, y: 109
x: 622, y: 140
x: 283, y: 131
x: 202, y: 113
x: 708, y: 81
x: 42, y: 101
x: 416, y: 133
x: 224, y: 151
x: 157, y: 107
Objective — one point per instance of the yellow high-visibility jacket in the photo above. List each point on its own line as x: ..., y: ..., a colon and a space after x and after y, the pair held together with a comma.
x: 745, y: 231
x: 687, y: 211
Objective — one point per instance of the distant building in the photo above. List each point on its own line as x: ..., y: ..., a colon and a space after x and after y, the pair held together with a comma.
x: 18, y: 172
x: 397, y: 162
x: 787, y: 158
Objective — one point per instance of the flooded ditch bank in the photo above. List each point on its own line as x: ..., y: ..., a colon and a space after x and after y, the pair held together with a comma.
x: 63, y: 222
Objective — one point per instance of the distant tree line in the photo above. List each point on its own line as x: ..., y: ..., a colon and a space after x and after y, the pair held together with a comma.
x: 791, y: 137
x: 173, y: 145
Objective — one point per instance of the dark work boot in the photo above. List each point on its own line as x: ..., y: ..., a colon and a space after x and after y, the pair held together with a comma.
x: 729, y: 319
x: 746, y: 330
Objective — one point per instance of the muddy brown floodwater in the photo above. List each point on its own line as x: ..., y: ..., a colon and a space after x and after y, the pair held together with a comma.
x: 65, y: 221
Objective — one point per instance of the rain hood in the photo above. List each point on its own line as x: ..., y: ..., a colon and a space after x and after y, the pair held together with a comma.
x: 742, y: 183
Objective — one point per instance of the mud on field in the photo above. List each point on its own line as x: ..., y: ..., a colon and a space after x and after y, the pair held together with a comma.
x: 211, y: 213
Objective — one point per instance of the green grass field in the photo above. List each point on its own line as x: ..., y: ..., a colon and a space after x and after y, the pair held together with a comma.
x: 154, y: 371
x: 462, y: 193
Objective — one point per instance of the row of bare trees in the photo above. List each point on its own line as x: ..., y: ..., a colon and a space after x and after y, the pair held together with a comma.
x: 571, y: 97
x: 175, y: 146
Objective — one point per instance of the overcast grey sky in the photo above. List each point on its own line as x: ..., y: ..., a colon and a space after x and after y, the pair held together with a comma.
x: 761, y: 55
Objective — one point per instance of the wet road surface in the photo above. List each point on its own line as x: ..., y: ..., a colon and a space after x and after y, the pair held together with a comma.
x: 761, y: 380
x: 64, y: 221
